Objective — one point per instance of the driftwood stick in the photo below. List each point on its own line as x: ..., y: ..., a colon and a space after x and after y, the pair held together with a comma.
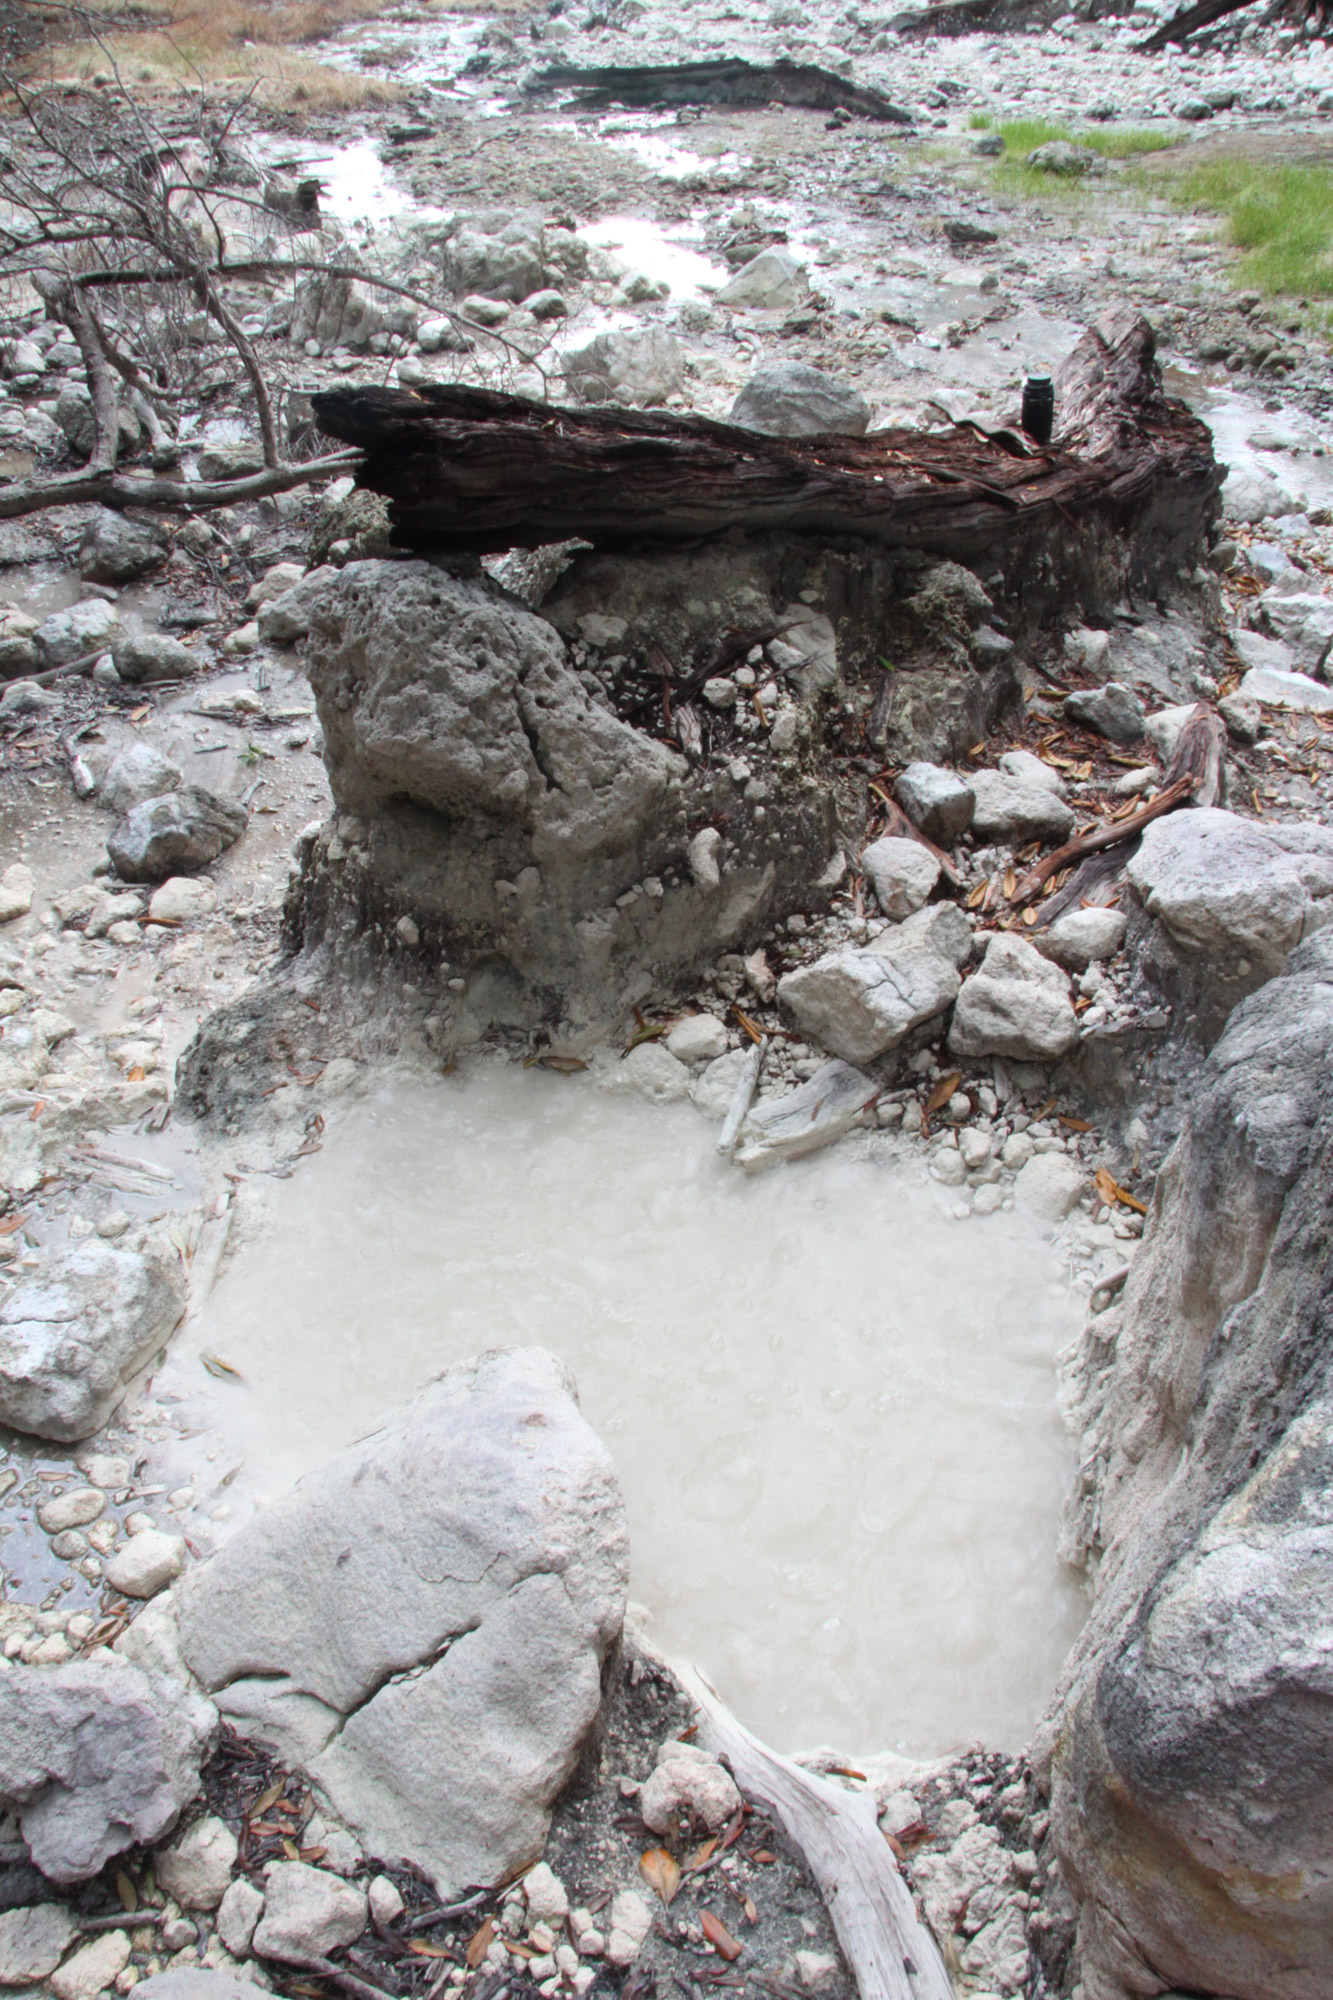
x: 128, y: 489
x: 901, y: 828
x: 746, y: 1085
x: 1099, y: 837
x: 889, y: 1949
x: 1198, y: 755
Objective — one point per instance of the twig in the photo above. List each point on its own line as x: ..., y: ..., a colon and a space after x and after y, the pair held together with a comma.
x: 426, y: 1919
x: 1099, y: 837
x: 360, y: 1989
x: 901, y: 828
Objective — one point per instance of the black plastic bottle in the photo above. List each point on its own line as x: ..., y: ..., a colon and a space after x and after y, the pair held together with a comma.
x: 1038, y: 417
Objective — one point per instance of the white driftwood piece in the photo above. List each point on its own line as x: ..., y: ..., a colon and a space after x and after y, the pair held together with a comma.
x: 890, y: 1951
x: 746, y: 1085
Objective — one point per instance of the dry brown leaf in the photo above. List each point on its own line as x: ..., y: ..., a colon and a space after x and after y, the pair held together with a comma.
x: 424, y: 1950
x: 1010, y: 882
x: 763, y: 1857
x: 752, y: 1028
x: 977, y: 896
x: 290, y: 1849
x: 661, y: 1872
x: 313, y: 1854
x: 136, y: 1075
x: 723, y: 1943
x: 141, y: 714
x: 704, y: 1852
x: 125, y: 1889
x: 12, y: 1223
x: 517, y: 1950
x: 480, y: 1943
x: 943, y: 1091
x: 1075, y: 1124
x: 1111, y: 1192
x: 565, y: 1065
x: 751, y: 1912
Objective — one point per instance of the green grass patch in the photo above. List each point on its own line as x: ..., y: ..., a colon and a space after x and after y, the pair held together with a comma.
x: 1023, y: 136
x: 979, y: 121
x: 1281, y: 217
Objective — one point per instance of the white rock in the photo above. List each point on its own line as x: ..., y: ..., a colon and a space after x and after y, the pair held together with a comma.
x: 627, y: 1931
x: 1255, y: 650
x: 690, y: 1783
x: 182, y: 899
x: 771, y: 282
x: 1304, y: 621
x: 974, y: 1147
x: 308, y: 1912
x: 1163, y: 729
x: 1049, y: 1185
x: 815, y: 1969
x: 703, y: 858
x: 699, y: 1038
x: 1079, y: 938
x: 544, y: 1895
x: 649, y: 1071
x: 937, y: 801
x: 1018, y: 802
x: 238, y: 1913
x: 859, y: 1004
x: 17, y: 886
x: 92, y: 1968
x: 712, y: 1089
x: 278, y: 579
x: 1295, y: 691
x: 904, y: 874
x: 146, y: 1563
x: 386, y: 1905
x: 1016, y: 1004
x: 1017, y: 1150
x: 91, y: 626
x: 196, y: 1867
x: 136, y: 773
x: 71, y: 1510
x: 33, y: 1940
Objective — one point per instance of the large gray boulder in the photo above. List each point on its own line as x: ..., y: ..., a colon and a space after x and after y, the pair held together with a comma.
x: 507, y: 264
x: 116, y: 550
x: 154, y: 656
x: 96, y: 1756
x: 1187, y: 1746
x: 136, y: 773
x: 175, y: 834
x: 1228, y: 889
x: 771, y: 282
x: 1016, y: 1004
x: 73, y: 1334
x: 470, y: 1559
x: 336, y: 312
x: 860, y: 1004
x: 91, y: 626
x: 790, y: 399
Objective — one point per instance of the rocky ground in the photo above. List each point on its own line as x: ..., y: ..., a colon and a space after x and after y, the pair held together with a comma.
x: 151, y: 807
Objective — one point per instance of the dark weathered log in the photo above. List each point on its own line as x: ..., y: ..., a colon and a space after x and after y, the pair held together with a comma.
x: 1184, y: 24
x: 468, y: 469
x: 968, y: 17
x: 728, y: 80
x: 1098, y: 837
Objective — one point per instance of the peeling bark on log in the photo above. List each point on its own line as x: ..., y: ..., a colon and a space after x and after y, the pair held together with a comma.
x: 729, y: 80
x: 468, y: 469
x: 1198, y: 755
x: 890, y: 1951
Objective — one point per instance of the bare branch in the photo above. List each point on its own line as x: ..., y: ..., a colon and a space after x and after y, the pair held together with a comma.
x: 127, y: 489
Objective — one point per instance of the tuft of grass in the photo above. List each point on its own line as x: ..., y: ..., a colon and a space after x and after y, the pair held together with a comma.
x: 979, y: 121
x: 1280, y: 217
x: 1023, y: 135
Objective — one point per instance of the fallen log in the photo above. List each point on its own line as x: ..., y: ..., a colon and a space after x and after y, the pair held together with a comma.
x: 1092, y: 842
x: 1188, y: 22
x: 728, y: 80
x: 1198, y: 755
x: 891, y: 1953
x: 470, y: 469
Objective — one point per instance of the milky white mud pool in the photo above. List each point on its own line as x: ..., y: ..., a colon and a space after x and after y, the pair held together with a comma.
x: 832, y: 1406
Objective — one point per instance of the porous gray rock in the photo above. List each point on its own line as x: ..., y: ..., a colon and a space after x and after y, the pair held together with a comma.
x: 858, y: 1004
x: 286, y: 618
x: 335, y: 311
x: 687, y: 1785
x: 235, y: 460
x: 197, y: 1982
x: 1067, y: 161
x: 154, y: 656
x: 791, y: 399
x: 1229, y: 889
x: 903, y: 874
x: 136, y: 773
x: 73, y: 1334
x: 1020, y: 801
x: 1192, y: 1806
x: 1016, y: 1004
x: 472, y: 1556
x: 18, y: 646
x: 95, y: 1756
x: 116, y: 549
x: 937, y: 801
x: 238, y: 1913
x: 1303, y: 621
x: 1112, y: 711
x: 640, y: 369
x: 175, y: 834
x: 508, y: 264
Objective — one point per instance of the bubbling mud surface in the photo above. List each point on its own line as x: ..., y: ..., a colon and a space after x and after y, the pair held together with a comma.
x: 832, y: 1405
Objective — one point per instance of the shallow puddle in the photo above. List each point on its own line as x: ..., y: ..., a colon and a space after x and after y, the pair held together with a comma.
x: 832, y: 1408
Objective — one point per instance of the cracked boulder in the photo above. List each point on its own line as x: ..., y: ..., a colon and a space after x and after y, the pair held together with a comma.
x: 97, y: 1756
x: 1233, y: 894
x: 422, y: 1623
x: 860, y: 1004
